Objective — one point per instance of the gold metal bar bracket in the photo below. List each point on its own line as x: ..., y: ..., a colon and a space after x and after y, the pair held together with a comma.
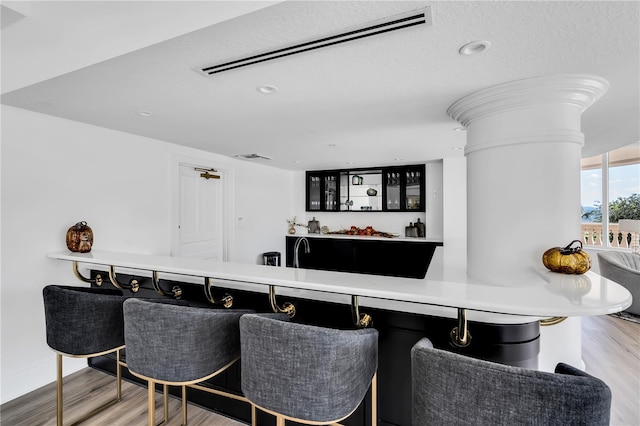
x: 133, y: 285
x: 460, y: 335
x: 288, y: 308
x: 361, y: 320
x: 97, y: 281
x: 551, y: 321
x: 226, y: 301
x: 176, y: 291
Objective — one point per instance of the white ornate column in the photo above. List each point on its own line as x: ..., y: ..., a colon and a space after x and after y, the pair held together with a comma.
x: 523, y: 176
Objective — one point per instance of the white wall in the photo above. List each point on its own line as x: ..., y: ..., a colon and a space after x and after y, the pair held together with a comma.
x: 262, y: 206
x: 57, y: 172
x: 454, y: 189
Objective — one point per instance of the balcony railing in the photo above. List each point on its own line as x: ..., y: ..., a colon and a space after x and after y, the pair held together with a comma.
x: 592, y: 236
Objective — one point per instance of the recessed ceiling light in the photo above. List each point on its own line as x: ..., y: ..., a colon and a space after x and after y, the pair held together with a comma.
x: 459, y: 129
x: 457, y: 148
x: 398, y: 159
x: 474, y: 47
x: 267, y: 90
x: 332, y: 145
x: 145, y: 113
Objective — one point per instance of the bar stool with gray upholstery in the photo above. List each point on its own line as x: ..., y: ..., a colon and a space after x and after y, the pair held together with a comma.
x: 453, y: 389
x: 623, y: 268
x: 179, y: 345
x: 304, y: 373
x: 83, y: 323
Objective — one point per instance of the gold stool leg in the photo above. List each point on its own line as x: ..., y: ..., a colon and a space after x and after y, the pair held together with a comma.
x: 165, y: 392
x: 254, y: 421
x: 118, y: 377
x: 279, y: 421
x: 184, y: 405
x: 59, y: 391
x: 84, y: 417
x: 151, y: 402
x: 374, y: 400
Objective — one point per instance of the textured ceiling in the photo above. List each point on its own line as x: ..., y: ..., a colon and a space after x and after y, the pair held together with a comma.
x: 366, y: 102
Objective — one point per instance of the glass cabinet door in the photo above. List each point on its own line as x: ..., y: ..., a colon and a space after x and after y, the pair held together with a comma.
x: 413, y: 189
x: 314, y: 185
x: 323, y: 192
x: 345, y: 202
x: 404, y: 188
x: 331, y: 192
x: 393, y: 186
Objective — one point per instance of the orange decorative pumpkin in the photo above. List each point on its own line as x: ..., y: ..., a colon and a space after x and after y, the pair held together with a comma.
x: 568, y: 260
x: 80, y: 238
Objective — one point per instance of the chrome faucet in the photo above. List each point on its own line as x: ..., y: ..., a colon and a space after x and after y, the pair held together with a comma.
x: 296, y: 248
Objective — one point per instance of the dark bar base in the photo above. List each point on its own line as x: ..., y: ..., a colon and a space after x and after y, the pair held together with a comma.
x: 513, y: 344
x: 394, y: 258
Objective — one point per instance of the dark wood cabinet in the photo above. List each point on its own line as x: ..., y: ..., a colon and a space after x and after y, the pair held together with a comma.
x: 390, y: 189
x: 398, y: 258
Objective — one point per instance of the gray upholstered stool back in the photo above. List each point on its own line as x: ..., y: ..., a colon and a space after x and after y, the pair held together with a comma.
x: 83, y: 321
x: 623, y: 268
x: 305, y: 372
x: 179, y: 344
x: 451, y: 389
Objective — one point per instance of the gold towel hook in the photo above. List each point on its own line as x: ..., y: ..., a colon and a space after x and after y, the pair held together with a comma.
x: 288, y: 308
x: 176, y: 291
x: 133, y: 285
x: 97, y: 281
x: 360, y: 320
x: 226, y: 301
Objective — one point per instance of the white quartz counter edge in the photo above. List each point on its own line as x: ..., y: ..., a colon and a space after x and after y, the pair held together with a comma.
x: 546, y: 293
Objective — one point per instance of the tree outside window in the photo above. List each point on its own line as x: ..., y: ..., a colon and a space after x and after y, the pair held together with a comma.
x: 614, y: 176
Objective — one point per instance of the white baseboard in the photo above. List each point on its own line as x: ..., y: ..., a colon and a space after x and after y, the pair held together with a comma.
x: 20, y: 382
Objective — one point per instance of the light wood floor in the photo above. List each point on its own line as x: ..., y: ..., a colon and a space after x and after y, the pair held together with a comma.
x: 610, y: 348
x: 611, y: 352
x: 89, y: 388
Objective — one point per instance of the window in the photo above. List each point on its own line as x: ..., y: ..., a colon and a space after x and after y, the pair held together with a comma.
x: 615, y: 177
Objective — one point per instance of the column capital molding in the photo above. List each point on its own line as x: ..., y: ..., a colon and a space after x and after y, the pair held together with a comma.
x: 542, y: 136
x: 575, y: 90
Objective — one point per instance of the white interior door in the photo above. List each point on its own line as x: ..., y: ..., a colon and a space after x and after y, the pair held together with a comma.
x: 200, y: 215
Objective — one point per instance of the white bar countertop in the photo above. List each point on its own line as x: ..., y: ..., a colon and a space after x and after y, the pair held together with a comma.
x: 539, y: 293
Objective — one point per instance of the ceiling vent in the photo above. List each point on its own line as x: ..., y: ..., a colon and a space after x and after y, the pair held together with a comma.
x: 252, y: 157
x: 398, y: 22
